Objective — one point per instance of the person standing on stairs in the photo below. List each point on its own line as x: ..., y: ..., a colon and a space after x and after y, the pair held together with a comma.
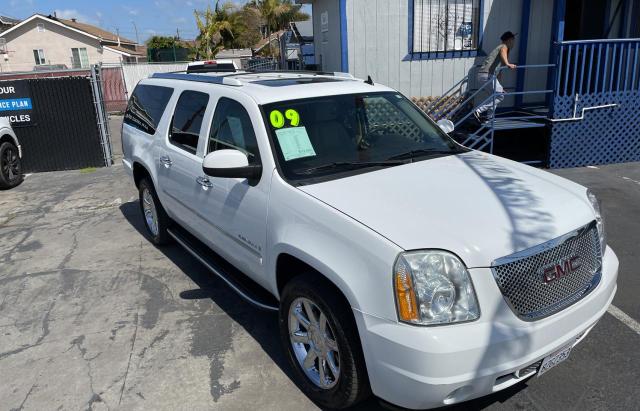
x: 498, y: 57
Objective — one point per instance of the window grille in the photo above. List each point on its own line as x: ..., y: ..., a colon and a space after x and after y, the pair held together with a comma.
x: 40, y: 27
x: 445, y: 25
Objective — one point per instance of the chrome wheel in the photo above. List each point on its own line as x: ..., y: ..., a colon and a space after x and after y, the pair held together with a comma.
x: 150, y: 213
x: 314, y: 343
x: 10, y: 164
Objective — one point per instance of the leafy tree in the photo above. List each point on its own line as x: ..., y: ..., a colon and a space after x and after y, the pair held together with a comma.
x: 161, y: 42
x: 229, y: 26
x: 213, y: 25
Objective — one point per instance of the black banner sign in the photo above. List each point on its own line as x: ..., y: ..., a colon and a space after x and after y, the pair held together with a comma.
x: 16, y: 103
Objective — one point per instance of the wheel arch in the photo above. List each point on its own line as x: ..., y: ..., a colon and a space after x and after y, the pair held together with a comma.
x: 292, y: 263
x: 7, y: 136
x: 140, y: 172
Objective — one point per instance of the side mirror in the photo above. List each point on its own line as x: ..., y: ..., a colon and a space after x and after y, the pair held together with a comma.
x: 230, y: 164
x: 446, y: 125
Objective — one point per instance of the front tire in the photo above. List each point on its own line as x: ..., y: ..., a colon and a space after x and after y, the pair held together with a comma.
x: 322, y: 343
x: 156, y: 220
x: 10, y: 166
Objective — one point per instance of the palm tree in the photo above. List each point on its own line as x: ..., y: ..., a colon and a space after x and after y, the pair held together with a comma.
x: 277, y: 14
x: 213, y: 25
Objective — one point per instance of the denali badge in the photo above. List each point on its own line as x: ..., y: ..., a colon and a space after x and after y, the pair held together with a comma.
x: 560, y: 269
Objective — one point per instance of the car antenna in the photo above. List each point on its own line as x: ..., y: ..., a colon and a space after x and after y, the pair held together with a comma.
x: 369, y: 81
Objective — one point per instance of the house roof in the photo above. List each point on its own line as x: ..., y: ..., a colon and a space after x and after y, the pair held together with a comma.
x: 86, y: 29
x: 305, y: 28
x: 234, y: 53
x: 265, y: 41
x: 8, y: 20
x: 139, y: 51
x: 95, y: 31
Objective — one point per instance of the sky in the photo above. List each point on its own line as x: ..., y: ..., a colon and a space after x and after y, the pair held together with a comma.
x: 150, y: 17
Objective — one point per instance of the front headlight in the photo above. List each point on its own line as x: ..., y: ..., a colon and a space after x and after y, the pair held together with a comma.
x: 599, y: 219
x: 433, y: 287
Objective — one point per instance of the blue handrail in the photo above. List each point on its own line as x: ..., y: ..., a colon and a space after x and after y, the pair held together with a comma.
x: 597, y: 66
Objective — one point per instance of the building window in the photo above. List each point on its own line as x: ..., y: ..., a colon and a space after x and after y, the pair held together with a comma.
x: 39, y: 57
x: 79, y: 58
x: 40, y: 28
x: 445, y: 25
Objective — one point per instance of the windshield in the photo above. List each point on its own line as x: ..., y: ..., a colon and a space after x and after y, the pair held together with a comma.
x: 326, y: 137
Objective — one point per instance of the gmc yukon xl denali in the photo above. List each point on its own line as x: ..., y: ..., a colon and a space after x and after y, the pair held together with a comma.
x: 400, y: 263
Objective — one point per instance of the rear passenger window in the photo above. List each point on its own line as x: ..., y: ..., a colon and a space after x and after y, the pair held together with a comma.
x: 232, y: 129
x: 187, y: 120
x: 146, y: 106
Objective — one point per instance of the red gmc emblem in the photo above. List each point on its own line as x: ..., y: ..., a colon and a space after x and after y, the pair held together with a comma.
x: 561, y: 269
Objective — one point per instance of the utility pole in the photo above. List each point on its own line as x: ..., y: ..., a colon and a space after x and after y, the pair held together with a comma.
x: 136, y: 30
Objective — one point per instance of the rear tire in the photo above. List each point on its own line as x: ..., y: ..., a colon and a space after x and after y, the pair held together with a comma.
x: 156, y: 220
x: 334, y: 345
x: 10, y: 166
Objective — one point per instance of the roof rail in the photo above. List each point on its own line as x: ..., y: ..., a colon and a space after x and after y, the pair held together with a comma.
x: 224, y: 80
x: 308, y: 72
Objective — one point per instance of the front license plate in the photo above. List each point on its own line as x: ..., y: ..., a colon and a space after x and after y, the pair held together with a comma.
x: 554, y: 359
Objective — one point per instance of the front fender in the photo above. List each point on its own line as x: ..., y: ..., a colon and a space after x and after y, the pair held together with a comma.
x: 7, y: 131
x: 353, y: 257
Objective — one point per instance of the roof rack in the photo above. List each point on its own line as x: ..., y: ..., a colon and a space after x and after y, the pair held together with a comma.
x: 224, y: 80
x: 308, y: 72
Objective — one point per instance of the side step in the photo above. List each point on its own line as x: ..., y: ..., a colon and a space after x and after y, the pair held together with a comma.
x: 246, y: 288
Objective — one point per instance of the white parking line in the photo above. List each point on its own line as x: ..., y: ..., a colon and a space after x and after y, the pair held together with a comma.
x: 631, y: 179
x: 624, y: 318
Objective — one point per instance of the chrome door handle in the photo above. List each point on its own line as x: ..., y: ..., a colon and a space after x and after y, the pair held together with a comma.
x: 166, y: 161
x: 204, y: 182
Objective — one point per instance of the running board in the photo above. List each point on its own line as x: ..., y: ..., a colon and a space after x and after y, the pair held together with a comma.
x: 246, y: 288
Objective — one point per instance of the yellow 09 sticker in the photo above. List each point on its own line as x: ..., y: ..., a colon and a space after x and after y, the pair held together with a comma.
x: 293, y: 117
x: 278, y: 120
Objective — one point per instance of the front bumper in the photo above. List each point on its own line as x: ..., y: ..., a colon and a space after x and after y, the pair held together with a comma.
x: 427, y: 367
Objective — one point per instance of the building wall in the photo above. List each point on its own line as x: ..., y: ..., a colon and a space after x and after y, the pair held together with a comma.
x: 378, y: 43
x: 56, y: 42
x: 379, y: 46
x: 538, y: 47
x: 327, y: 44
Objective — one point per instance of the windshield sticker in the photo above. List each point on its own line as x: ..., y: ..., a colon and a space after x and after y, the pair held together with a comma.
x: 278, y: 120
x: 293, y: 117
x: 294, y: 143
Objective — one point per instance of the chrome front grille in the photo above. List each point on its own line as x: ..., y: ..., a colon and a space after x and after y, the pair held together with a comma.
x: 521, y: 276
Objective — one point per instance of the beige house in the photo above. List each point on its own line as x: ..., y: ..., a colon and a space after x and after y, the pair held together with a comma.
x: 42, y: 42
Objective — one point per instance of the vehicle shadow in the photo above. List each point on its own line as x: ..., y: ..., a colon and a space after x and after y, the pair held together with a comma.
x: 260, y: 324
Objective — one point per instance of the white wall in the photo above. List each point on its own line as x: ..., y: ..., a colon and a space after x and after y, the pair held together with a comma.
x: 133, y: 73
x: 378, y: 45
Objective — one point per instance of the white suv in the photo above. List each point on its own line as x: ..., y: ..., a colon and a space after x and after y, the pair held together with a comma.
x: 400, y: 262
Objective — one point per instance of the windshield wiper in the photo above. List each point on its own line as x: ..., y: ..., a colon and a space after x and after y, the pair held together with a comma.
x: 352, y: 165
x: 422, y: 151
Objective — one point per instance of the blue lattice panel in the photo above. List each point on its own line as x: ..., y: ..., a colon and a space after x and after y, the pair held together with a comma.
x: 604, y: 136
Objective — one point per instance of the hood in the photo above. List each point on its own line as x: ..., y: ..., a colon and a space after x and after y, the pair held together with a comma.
x: 478, y: 206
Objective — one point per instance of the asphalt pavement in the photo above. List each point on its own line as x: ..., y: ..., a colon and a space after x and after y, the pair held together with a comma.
x: 93, y: 316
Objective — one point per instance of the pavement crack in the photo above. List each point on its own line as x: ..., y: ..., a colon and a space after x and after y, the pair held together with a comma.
x: 69, y: 255
x: 26, y: 397
x: 133, y: 343
x: 43, y: 335
x: 135, y: 331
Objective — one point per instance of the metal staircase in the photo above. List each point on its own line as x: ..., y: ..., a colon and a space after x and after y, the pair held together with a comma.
x: 458, y: 105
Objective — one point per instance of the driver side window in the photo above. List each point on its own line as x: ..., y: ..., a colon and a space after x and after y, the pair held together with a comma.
x: 186, y: 123
x: 232, y: 129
